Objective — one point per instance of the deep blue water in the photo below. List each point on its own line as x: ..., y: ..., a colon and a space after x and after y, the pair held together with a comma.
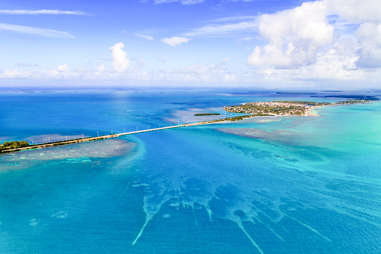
x: 287, y: 185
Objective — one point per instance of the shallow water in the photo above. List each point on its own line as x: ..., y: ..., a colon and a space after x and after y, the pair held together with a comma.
x: 285, y: 185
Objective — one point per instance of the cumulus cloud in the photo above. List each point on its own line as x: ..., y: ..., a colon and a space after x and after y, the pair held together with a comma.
x: 329, y: 65
x: 369, y: 35
x: 294, y: 36
x: 332, y: 40
x: 35, y: 31
x: 366, y: 15
x: 326, y: 39
x: 175, y: 41
x: 41, y: 12
x: 120, y: 61
x: 355, y: 10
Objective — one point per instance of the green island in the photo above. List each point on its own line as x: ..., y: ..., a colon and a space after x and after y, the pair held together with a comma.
x: 207, y: 114
x: 272, y: 108
x: 11, y: 145
x: 285, y: 108
x: 238, y: 118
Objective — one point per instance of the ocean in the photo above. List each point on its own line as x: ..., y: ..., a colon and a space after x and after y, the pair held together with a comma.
x: 263, y: 185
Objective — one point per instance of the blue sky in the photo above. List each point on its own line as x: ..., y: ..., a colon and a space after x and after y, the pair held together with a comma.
x: 256, y: 43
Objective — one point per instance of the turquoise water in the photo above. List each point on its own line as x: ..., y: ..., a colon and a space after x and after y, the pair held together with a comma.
x: 285, y: 185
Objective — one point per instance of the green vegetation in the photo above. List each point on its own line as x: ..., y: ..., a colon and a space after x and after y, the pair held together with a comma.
x: 284, y: 108
x: 13, y: 145
x: 237, y: 118
x: 207, y: 114
x: 269, y: 108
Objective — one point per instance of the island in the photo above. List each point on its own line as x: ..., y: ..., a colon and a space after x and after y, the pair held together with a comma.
x: 13, y: 145
x: 284, y: 108
x: 207, y: 114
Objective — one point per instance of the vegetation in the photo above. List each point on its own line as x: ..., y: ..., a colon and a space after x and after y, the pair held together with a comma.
x: 237, y: 118
x: 207, y: 114
x: 284, y: 108
x: 13, y: 145
x: 269, y: 108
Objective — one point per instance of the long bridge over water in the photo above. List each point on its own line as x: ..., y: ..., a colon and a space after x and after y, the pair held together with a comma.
x: 88, y: 139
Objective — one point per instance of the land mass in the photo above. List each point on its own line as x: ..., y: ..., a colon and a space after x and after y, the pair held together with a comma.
x: 13, y: 145
x: 284, y: 108
x: 207, y: 114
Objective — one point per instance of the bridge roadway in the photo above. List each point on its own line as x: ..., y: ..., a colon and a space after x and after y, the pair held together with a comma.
x: 81, y: 140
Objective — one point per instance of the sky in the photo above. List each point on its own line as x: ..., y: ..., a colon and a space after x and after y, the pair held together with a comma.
x: 193, y: 43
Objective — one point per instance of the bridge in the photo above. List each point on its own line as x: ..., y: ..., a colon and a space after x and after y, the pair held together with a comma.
x: 89, y: 139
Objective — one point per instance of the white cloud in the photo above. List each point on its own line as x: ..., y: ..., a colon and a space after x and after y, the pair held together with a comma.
x: 367, y: 15
x: 184, y: 2
x: 145, y: 36
x: 198, y: 73
x: 355, y: 10
x: 63, y: 68
x: 294, y: 36
x: 41, y: 12
x: 306, y: 44
x: 303, y: 44
x: 369, y: 35
x: 120, y: 61
x: 247, y: 38
x: 330, y: 40
x: 223, y: 29
x: 11, y: 74
x: 175, y: 41
x: 35, y: 31
x: 101, y: 68
x: 329, y: 65
x: 233, y: 18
